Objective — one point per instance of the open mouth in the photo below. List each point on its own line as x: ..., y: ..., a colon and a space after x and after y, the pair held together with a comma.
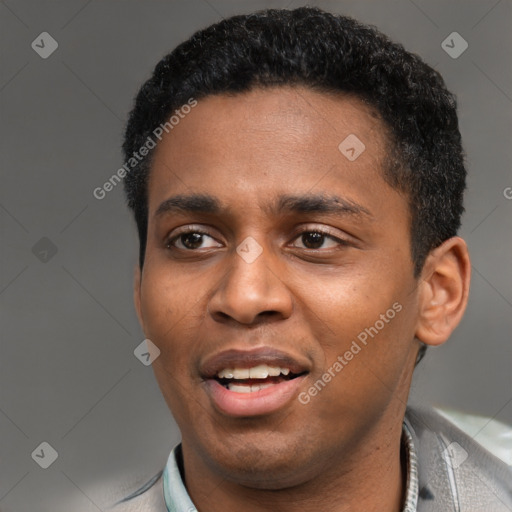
x: 257, y: 382
x: 250, y: 380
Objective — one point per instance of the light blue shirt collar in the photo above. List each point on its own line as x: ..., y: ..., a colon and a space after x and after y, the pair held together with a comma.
x: 175, y: 493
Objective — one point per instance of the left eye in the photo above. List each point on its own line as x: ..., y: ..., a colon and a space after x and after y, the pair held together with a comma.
x: 315, y: 239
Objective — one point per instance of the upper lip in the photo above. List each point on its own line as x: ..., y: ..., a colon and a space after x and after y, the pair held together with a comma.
x: 235, y: 358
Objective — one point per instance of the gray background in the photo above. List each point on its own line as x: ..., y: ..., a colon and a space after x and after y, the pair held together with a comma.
x: 68, y: 375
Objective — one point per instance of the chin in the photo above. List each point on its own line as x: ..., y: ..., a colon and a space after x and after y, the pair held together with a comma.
x: 272, y: 477
x: 261, y: 465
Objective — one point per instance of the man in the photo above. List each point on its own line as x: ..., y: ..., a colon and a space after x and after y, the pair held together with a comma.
x: 297, y: 182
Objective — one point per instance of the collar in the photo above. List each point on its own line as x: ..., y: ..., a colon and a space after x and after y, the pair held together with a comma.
x: 178, y: 500
x: 412, y: 485
x: 175, y: 494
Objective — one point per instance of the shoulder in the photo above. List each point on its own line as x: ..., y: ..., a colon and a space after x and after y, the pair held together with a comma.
x: 147, y: 496
x: 455, y: 472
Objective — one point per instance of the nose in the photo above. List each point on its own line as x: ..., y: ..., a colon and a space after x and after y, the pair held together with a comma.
x: 251, y: 291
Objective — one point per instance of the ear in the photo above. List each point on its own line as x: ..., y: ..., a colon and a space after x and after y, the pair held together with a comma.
x: 137, y: 277
x: 443, y: 291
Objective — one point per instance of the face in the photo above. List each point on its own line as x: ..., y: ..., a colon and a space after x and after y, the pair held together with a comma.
x: 278, y: 284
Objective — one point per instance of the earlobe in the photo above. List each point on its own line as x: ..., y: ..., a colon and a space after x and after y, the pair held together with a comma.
x: 443, y: 292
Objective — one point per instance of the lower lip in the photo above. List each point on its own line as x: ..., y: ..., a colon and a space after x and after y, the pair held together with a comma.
x: 256, y: 403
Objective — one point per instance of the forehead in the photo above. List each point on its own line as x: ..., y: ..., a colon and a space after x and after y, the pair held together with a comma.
x: 268, y: 141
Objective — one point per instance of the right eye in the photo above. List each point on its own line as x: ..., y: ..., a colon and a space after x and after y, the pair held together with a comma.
x: 190, y: 240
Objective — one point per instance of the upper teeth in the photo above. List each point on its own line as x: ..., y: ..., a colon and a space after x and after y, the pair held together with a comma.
x: 261, y: 371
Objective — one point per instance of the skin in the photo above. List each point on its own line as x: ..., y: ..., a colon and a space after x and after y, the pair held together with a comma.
x: 341, y: 451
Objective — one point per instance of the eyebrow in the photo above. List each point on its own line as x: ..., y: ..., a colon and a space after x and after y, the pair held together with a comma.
x: 315, y: 203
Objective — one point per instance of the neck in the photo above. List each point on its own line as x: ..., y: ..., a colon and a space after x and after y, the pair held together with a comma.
x: 371, y: 478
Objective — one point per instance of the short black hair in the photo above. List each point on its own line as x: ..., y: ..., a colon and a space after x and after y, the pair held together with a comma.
x: 325, y: 52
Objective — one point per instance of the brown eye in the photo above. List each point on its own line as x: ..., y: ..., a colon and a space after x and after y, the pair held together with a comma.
x: 313, y: 240
x: 316, y: 239
x: 191, y: 240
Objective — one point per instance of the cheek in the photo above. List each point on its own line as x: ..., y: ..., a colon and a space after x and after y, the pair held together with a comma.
x: 376, y: 356
x: 368, y: 321
x: 166, y: 312
x: 164, y: 308
x: 166, y: 294
x: 346, y: 304
x: 159, y: 309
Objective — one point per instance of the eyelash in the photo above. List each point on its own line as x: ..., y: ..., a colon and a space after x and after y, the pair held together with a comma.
x: 169, y: 242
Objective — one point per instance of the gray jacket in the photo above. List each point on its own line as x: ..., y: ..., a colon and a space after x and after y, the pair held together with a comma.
x: 455, y: 473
